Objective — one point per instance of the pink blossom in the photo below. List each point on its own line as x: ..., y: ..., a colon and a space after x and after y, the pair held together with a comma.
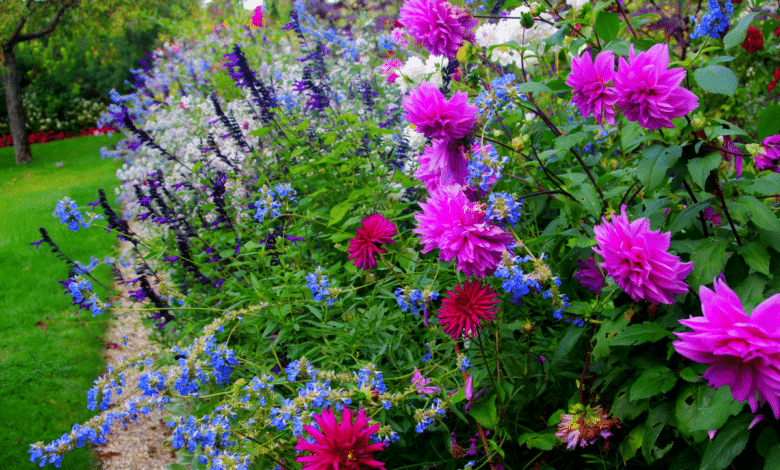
x: 591, y: 94
x: 436, y: 117
x: 459, y: 229
x: 636, y: 258
x: 440, y: 26
x: 375, y: 231
x: 399, y: 37
x: 257, y: 17
x: 442, y: 164
x: 743, y: 351
x: 419, y: 383
x: 649, y: 92
x: 389, y: 67
x: 768, y: 157
x: 731, y: 155
x: 465, y: 307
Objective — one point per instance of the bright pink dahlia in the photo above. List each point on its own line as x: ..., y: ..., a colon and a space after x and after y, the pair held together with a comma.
x: 465, y: 306
x: 375, y: 231
x: 340, y: 446
x: 436, y: 117
x: 458, y: 228
x: 768, y: 157
x: 649, y: 92
x: 591, y: 94
x: 440, y: 26
x: 442, y: 164
x: 744, y: 350
x: 257, y: 17
x: 636, y: 258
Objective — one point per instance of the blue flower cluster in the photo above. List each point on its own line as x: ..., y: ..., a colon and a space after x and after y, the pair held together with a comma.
x: 103, y: 388
x: 426, y: 417
x: 208, y: 432
x: 715, y: 22
x: 485, y: 167
x: 463, y: 362
x: 502, y: 208
x: 515, y: 282
x: 68, y: 212
x: 256, y: 386
x: 269, y: 204
x: 80, y: 290
x: 320, y: 286
x: 414, y: 299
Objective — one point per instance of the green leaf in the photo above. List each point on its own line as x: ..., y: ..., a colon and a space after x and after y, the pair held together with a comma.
x: 533, y: 87
x: 565, y: 142
x: 607, y: 26
x: 538, y: 441
x: 708, y: 258
x: 772, y: 461
x: 729, y: 442
x: 716, y: 79
x: 631, y: 443
x: 652, y: 382
x: 690, y: 375
x: 769, y: 123
x: 567, y: 343
x: 700, y: 168
x: 766, y: 440
x: 656, y: 420
x: 655, y: 162
x: 760, y: 213
x: 755, y: 256
x: 646, y: 332
x: 739, y: 33
x: 715, y: 413
x: 588, y: 197
x: 338, y: 212
x: 485, y: 412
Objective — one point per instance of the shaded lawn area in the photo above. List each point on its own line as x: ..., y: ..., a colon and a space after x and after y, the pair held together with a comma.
x: 45, y: 371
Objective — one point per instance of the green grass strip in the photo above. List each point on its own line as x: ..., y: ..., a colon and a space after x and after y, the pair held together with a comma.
x: 45, y: 372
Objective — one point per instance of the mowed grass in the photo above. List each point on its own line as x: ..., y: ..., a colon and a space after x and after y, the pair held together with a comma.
x: 45, y: 372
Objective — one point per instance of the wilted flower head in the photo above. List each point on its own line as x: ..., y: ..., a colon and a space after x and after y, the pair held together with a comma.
x: 340, y: 446
x: 589, y: 275
x: 768, y: 157
x: 376, y: 230
x: 744, y: 351
x: 436, y: 117
x: 458, y: 228
x: 649, y: 92
x: 636, y: 258
x: 464, y: 307
x: 440, y: 26
x: 583, y: 425
x: 591, y: 94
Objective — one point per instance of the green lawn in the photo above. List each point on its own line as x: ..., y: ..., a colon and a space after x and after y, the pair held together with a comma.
x: 46, y: 372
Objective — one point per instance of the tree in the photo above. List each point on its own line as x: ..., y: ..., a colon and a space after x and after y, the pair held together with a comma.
x: 36, y: 19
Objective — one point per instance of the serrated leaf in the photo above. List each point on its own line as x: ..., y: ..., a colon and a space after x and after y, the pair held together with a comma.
x: 700, y: 168
x: 755, y: 255
x: 568, y: 341
x: 538, y: 441
x: 716, y: 79
x: 565, y: 142
x: 652, y: 382
x: 656, y: 420
x: 738, y: 34
x: 729, y: 442
x: 646, y: 332
x: 533, y: 87
x: 631, y: 443
x: 760, y: 213
x: 656, y: 160
x: 708, y: 258
x: 607, y: 26
x: 717, y: 411
x: 485, y: 413
x: 772, y: 461
x: 338, y: 212
x: 766, y: 440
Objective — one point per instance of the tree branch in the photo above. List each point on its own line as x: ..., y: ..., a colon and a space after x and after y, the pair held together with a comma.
x: 18, y: 37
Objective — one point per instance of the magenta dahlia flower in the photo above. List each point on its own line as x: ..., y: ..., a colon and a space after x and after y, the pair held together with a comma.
x: 459, y: 229
x: 465, y: 307
x: 435, y: 117
x: 442, y: 164
x: 257, y: 17
x: 591, y: 94
x: 375, y: 231
x: 440, y: 26
x: 340, y: 446
x: 768, y: 157
x: 649, y: 92
x: 744, y: 351
x: 636, y: 258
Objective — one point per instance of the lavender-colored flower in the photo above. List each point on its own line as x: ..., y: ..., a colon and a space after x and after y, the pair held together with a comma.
x: 419, y: 383
x: 649, y: 92
x: 440, y: 26
x: 459, y: 229
x: 442, y: 164
x: 583, y: 425
x: 742, y: 350
x: 636, y: 258
x: 589, y: 275
x: 768, y: 157
x: 731, y: 155
x: 436, y: 117
x: 591, y: 94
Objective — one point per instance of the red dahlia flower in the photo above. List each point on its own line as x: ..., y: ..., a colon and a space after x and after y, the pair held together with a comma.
x: 340, y: 446
x: 464, y: 308
x: 754, y: 41
x: 376, y: 230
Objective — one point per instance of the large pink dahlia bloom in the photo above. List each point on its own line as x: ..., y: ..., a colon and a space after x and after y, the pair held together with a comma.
x: 376, y: 230
x: 636, y: 258
x: 649, y: 92
x: 466, y: 306
x: 436, y: 117
x: 340, y: 446
x: 744, y: 351
x: 440, y: 26
x: 459, y: 229
x: 591, y: 94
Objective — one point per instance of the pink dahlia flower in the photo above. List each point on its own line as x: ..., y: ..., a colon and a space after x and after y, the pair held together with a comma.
x: 636, y: 258
x: 649, y: 92
x: 744, y: 351
x: 340, y: 446
x: 436, y: 117
x: 375, y: 231
x: 459, y: 229
x: 591, y: 94
x: 257, y: 17
x: 442, y: 164
x: 440, y: 26
x: 768, y: 157
x: 465, y: 307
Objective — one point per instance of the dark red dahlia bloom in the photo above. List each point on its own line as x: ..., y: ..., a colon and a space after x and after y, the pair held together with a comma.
x: 464, y: 308
x: 340, y: 446
x: 754, y: 41
x: 376, y: 230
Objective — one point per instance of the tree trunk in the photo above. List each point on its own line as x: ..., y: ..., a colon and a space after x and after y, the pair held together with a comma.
x: 13, y: 98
